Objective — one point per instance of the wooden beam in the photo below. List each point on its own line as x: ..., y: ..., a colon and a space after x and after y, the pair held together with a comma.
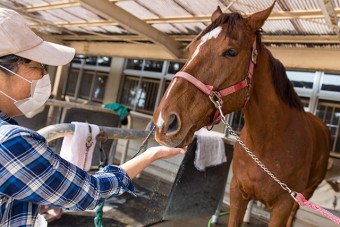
x: 322, y: 59
x: 52, y: 5
x: 308, y: 39
x: 133, y: 24
x: 330, y: 14
x: 127, y: 50
x: 295, y: 57
x: 55, y: 5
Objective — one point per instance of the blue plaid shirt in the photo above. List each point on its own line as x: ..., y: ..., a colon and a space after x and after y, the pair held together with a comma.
x: 31, y: 174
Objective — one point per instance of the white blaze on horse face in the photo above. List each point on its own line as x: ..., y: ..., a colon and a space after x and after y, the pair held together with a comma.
x: 160, y: 122
x: 212, y: 34
x: 172, y: 84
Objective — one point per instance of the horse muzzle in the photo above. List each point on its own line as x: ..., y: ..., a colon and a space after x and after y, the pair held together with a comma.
x: 169, y: 131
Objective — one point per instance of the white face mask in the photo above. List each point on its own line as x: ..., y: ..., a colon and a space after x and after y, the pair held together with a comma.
x: 40, y: 92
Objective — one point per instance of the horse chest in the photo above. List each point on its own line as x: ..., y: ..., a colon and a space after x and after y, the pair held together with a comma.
x: 253, y: 181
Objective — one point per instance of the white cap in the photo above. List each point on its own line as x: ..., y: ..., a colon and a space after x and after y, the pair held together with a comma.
x: 18, y: 39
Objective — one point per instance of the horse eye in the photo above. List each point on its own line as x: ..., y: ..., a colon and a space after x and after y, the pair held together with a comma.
x: 230, y: 53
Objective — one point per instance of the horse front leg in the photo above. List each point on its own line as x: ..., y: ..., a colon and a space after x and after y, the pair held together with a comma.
x: 281, y: 211
x: 238, y: 205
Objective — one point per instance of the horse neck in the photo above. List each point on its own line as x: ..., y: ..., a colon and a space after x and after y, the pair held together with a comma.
x: 265, y: 111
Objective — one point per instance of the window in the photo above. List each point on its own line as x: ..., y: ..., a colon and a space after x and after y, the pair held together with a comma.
x: 99, y: 87
x: 72, y: 82
x: 104, y: 61
x: 153, y: 66
x: 331, y: 83
x: 145, y: 81
x: 329, y: 112
x: 91, y: 60
x: 136, y: 64
x: 237, y: 121
x: 130, y: 87
x: 174, y: 67
x: 301, y: 79
x: 91, y: 74
x: 85, y: 85
x: 147, y: 95
x: 140, y: 93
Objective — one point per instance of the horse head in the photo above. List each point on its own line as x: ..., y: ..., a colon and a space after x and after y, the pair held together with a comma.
x: 220, y: 62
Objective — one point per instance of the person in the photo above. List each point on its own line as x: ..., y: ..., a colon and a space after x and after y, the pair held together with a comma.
x: 31, y: 174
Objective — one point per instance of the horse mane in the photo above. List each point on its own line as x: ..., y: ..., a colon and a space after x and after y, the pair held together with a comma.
x: 283, y: 86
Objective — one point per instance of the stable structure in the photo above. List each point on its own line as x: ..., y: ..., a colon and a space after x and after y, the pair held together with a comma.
x: 129, y: 50
x: 302, y: 33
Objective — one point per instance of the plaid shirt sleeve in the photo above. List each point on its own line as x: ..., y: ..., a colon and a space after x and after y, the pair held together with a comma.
x: 31, y: 172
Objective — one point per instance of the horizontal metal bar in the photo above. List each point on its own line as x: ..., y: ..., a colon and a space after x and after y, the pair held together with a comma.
x: 56, y: 131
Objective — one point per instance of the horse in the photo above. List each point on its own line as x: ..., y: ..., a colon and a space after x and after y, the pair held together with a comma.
x: 229, y: 67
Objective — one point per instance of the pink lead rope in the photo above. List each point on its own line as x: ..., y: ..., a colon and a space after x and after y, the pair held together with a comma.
x: 303, y: 202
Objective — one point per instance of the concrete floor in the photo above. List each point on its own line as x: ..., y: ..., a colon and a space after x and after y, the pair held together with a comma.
x: 149, y: 206
x: 145, y: 210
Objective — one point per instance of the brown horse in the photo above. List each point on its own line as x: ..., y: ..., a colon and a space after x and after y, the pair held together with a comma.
x: 292, y: 144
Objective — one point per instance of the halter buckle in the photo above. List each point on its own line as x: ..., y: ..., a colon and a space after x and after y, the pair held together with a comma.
x: 215, y: 98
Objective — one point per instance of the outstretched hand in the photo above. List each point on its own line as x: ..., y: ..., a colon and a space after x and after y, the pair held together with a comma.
x: 137, y: 164
x: 163, y: 152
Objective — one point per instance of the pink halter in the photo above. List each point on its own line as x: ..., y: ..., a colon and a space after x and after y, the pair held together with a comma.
x: 215, y: 95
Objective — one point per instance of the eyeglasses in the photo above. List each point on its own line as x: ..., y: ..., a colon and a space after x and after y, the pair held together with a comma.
x: 42, y: 67
x: 11, y: 61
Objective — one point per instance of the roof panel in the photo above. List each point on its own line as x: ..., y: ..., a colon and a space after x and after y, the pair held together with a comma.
x: 167, y: 28
x: 279, y: 27
x: 316, y: 27
x: 83, y: 13
x: 30, y: 3
x: 201, y: 7
x: 164, y: 8
x: 136, y: 9
x: 47, y: 16
x: 303, y: 5
x: 115, y: 30
x: 52, y: 1
x: 189, y: 28
x: 250, y: 6
x: 336, y: 3
x: 64, y: 15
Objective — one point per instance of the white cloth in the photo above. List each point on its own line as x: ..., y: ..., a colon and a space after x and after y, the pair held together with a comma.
x: 74, y: 147
x: 210, y: 149
x: 326, y: 197
x: 40, y: 221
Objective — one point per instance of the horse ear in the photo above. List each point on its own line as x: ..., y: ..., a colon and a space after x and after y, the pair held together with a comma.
x: 257, y: 20
x: 216, y: 14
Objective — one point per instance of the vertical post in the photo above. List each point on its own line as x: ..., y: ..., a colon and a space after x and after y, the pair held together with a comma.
x: 52, y: 116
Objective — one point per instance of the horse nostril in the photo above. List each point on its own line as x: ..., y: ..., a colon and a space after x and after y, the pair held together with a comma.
x: 173, y: 123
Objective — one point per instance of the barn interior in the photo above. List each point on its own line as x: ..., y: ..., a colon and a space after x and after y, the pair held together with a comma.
x: 127, y: 52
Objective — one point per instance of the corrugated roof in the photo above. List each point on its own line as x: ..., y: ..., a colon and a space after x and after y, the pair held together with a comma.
x: 175, y: 22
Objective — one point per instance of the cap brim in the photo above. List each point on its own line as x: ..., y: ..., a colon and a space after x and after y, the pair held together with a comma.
x: 49, y: 53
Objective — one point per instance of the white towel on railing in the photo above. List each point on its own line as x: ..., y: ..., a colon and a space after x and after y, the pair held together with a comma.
x: 74, y: 148
x: 210, y: 149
